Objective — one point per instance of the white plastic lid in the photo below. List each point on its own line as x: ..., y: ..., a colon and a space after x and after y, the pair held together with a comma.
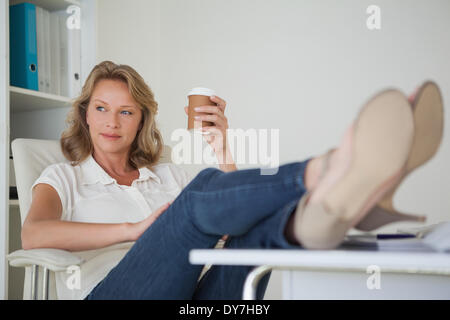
x: 201, y: 92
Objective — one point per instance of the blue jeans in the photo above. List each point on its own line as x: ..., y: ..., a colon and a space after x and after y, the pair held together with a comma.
x: 251, y: 208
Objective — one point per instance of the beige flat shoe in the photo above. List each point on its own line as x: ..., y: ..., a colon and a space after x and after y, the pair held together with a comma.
x: 382, y: 137
x: 428, y: 114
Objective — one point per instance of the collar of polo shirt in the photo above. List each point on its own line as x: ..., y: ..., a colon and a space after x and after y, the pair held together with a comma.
x: 93, y: 173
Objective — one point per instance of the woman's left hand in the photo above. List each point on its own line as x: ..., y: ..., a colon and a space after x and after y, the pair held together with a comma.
x: 217, y: 137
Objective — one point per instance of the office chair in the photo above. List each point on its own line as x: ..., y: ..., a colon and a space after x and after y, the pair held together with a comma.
x: 31, y: 157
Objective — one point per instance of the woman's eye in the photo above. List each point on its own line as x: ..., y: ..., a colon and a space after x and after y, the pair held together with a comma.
x: 127, y: 112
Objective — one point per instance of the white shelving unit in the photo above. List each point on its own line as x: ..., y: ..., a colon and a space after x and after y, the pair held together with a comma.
x: 30, y: 100
x: 15, y: 100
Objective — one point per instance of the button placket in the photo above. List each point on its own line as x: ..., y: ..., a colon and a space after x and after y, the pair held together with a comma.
x: 137, y: 195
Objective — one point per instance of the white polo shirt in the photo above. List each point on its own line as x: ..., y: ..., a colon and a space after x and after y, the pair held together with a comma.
x: 89, y: 194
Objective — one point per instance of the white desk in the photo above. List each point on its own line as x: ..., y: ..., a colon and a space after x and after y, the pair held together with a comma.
x: 342, y: 274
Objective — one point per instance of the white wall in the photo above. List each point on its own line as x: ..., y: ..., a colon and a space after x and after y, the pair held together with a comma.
x: 303, y: 67
x: 129, y: 33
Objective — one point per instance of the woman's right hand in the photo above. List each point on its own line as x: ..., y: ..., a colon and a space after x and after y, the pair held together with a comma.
x: 138, y: 228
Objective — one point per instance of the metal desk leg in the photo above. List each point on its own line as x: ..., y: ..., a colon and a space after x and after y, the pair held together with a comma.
x: 34, y: 282
x: 45, y: 283
x: 252, y: 280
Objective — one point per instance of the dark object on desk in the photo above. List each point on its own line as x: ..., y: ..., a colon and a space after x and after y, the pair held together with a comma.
x: 371, y: 241
x: 395, y: 236
x: 13, y: 192
x: 429, y: 238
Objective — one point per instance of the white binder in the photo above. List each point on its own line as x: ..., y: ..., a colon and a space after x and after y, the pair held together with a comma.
x: 74, y: 58
x: 47, y: 50
x: 55, y: 54
x: 70, y: 57
x: 40, y: 47
x: 63, y: 54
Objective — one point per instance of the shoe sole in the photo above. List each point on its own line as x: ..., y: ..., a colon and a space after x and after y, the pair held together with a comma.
x: 428, y: 110
x: 382, y: 140
x: 428, y: 132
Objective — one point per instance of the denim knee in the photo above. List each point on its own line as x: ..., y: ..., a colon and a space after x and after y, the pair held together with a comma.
x: 207, y: 173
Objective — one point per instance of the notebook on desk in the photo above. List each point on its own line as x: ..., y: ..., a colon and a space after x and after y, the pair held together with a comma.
x: 433, y: 238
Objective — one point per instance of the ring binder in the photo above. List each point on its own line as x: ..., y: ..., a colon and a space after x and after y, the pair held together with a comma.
x: 23, y: 47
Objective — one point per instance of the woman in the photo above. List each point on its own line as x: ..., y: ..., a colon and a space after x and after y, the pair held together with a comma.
x: 113, y: 191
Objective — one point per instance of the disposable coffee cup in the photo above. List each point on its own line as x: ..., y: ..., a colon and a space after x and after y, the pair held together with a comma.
x: 199, y: 97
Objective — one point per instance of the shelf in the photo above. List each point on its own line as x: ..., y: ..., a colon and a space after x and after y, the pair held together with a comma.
x: 51, y: 5
x: 30, y: 100
x: 14, y: 122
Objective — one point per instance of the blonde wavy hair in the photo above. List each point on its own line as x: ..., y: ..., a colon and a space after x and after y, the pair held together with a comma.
x: 147, y: 147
